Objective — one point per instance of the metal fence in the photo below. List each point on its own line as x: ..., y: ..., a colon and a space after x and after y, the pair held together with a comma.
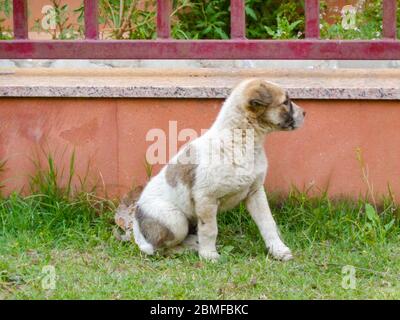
x: 238, y: 47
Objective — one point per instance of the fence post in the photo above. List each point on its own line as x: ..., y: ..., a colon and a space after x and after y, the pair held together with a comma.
x: 20, y: 19
x: 389, y: 19
x: 164, y: 9
x: 91, y: 21
x: 312, y: 18
x: 238, y: 19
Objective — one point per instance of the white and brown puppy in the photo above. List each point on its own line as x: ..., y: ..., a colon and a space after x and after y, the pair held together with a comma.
x: 214, y: 173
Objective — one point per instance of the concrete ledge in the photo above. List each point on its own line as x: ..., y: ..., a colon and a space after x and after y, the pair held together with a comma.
x: 347, y: 84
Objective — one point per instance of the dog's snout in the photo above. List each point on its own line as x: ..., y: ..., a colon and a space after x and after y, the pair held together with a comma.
x: 288, y: 122
x: 289, y: 118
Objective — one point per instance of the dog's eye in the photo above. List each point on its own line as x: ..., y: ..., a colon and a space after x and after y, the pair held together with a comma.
x: 287, y: 101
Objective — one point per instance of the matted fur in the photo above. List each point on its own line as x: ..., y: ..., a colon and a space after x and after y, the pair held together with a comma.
x: 189, y: 193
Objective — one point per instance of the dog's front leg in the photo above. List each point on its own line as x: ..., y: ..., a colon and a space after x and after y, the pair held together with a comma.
x: 207, y: 229
x: 258, y: 207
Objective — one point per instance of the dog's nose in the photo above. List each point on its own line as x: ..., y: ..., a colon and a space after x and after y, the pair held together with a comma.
x: 304, y: 113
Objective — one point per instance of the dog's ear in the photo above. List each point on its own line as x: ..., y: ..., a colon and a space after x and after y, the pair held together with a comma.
x: 259, y: 98
x: 258, y: 103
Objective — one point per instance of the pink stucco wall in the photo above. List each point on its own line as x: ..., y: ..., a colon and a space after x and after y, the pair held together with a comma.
x: 109, y: 135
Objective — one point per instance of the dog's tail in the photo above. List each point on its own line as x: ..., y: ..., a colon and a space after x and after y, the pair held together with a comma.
x: 125, y: 213
x: 125, y: 219
x: 124, y: 237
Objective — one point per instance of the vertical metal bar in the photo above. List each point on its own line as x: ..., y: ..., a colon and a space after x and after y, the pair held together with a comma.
x: 164, y: 9
x: 311, y: 10
x: 91, y: 21
x: 20, y: 17
x: 389, y: 19
x: 238, y: 19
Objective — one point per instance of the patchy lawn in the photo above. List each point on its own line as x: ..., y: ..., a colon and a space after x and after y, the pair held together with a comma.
x: 73, y: 235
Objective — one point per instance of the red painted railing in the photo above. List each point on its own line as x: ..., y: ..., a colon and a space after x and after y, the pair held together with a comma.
x: 238, y: 47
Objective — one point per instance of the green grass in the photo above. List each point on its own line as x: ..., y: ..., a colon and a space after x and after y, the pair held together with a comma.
x: 72, y: 231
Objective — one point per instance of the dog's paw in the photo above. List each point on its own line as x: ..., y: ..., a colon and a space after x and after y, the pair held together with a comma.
x: 146, y: 248
x: 281, y: 252
x: 212, y: 256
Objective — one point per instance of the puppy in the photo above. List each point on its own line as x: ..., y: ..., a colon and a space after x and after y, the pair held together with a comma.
x: 214, y: 173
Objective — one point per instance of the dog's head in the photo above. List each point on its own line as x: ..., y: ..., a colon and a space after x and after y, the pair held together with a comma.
x: 271, y: 107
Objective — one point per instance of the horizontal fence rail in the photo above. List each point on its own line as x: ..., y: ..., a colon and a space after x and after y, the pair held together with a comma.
x: 238, y: 47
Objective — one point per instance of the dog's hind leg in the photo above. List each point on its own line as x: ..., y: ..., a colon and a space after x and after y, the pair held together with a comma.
x: 152, y: 231
x: 191, y: 243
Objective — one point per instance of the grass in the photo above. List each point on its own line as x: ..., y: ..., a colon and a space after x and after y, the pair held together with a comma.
x: 72, y: 232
